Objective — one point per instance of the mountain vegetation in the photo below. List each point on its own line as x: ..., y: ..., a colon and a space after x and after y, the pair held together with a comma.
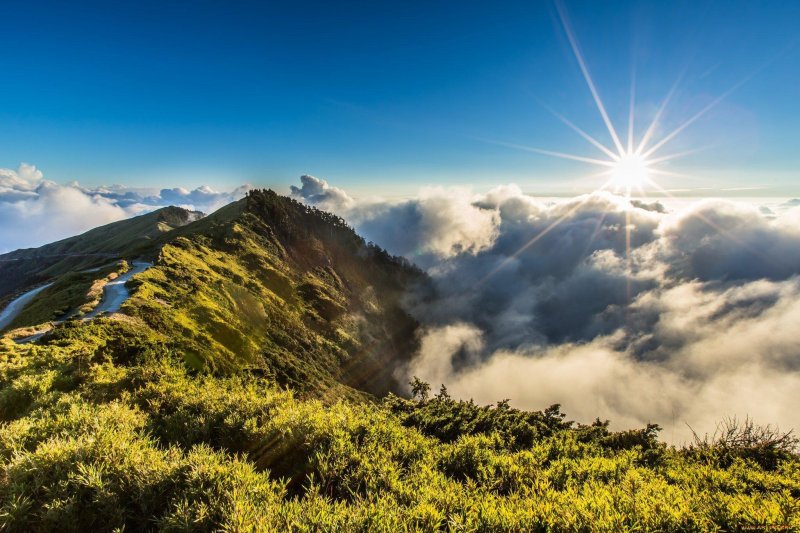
x: 250, y: 384
x: 95, y: 248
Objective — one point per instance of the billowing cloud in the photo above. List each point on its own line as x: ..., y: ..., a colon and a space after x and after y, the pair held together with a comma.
x: 35, y: 211
x: 722, y: 240
x: 614, y: 308
x: 709, y: 354
x: 317, y: 191
x: 439, y: 223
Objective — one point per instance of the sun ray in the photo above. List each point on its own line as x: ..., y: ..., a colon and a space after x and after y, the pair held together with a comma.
x: 562, y: 155
x: 714, y: 103
x: 662, y: 172
x: 595, y: 232
x: 631, y: 109
x: 586, y: 76
x: 628, y: 259
x: 539, y: 235
x: 654, y: 124
x: 582, y: 133
x: 669, y: 157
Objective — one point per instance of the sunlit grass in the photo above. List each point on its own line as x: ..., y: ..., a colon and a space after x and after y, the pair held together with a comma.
x: 100, y: 443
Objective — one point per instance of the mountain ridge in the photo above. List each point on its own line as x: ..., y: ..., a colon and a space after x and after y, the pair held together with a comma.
x: 265, y: 283
x: 246, y: 385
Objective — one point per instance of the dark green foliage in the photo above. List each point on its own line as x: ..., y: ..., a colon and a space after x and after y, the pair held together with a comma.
x: 735, y: 439
x: 419, y: 389
x: 645, y: 439
x: 448, y: 419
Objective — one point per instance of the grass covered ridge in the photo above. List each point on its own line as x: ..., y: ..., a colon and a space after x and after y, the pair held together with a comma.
x: 105, y: 428
x: 265, y: 284
x: 272, y: 286
x: 246, y: 386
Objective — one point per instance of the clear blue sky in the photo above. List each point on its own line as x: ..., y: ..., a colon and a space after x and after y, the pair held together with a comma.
x: 387, y: 96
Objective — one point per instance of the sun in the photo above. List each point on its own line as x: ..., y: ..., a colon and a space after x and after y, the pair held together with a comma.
x: 632, y: 165
x: 630, y: 172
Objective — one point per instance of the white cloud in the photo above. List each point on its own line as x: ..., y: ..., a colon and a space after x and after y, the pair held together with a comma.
x: 35, y: 211
x: 439, y: 223
x: 613, y: 308
x: 317, y: 191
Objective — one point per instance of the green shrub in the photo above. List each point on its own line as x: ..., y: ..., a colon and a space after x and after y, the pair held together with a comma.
x: 96, y: 442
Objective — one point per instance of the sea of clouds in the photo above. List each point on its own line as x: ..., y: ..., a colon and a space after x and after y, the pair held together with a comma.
x: 624, y: 310
x: 35, y: 211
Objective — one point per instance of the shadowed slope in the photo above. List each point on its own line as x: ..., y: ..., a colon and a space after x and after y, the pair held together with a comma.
x: 272, y: 285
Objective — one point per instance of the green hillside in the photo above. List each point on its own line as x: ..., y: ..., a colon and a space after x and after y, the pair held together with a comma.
x: 269, y: 285
x: 249, y: 384
x: 98, y: 247
x: 265, y: 285
x: 105, y: 428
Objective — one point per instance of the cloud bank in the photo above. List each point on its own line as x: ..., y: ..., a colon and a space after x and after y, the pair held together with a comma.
x: 625, y: 310
x: 35, y: 211
x: 614, y: 308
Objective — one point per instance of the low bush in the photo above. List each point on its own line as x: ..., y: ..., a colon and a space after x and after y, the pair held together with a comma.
x: 91, y: 442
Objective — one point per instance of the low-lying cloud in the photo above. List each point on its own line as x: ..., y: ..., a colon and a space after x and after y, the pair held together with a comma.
x: 35, y: 211
x: 614, y: 308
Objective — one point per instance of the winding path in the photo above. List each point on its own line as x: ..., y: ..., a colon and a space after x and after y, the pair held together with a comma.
x: 16, y: 305
x: 115, y: 292
x: 114, y: 295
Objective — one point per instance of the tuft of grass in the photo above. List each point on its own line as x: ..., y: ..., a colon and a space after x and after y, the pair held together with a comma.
x: 736, y: 438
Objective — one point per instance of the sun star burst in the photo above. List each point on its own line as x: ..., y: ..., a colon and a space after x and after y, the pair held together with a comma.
x: 626, y: 167
x: 630, y: 171
x: 630, y: 165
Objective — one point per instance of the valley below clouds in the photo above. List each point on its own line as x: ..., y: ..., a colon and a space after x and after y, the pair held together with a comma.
x: 621, y: 309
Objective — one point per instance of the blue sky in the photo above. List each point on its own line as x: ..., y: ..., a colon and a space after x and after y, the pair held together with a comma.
x: 382, y: 98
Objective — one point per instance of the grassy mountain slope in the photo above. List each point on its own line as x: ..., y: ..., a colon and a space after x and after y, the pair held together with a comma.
x: 104, y: 428
x: 265, y: 284
x: 97, y: 247
x: 273, y: 286
x: 237, y: 392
